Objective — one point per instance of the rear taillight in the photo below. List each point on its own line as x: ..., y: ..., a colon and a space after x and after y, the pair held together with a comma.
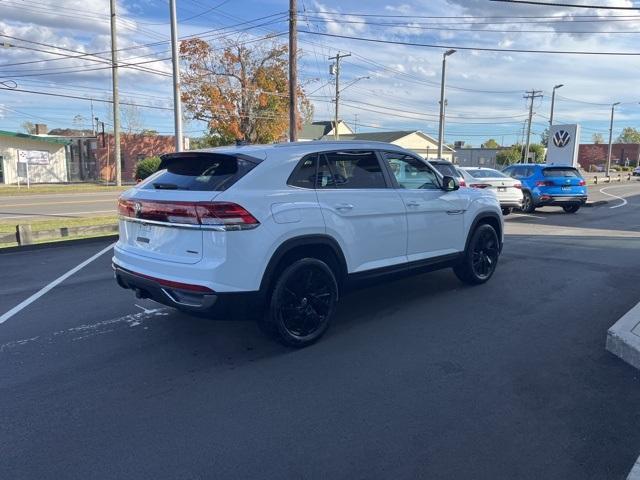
x: 517, y: 185
x: 229, y: 216
x: 582, y: 183
x: 544, y: 183
x: 462, y: 183
x: 480, y: 185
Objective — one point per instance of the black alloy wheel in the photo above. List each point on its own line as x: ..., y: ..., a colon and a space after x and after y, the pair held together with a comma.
x: 481, y: 257
x: 573, y: 208
x: 485, y: 253
x: 303, y: 302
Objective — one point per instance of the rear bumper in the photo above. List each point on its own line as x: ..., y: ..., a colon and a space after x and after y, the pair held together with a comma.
x: 510, y: 203
x: 559, y: 200
x: 186, y: 298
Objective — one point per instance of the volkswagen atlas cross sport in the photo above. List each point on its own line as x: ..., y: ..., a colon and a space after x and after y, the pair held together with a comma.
x: 284, y: 229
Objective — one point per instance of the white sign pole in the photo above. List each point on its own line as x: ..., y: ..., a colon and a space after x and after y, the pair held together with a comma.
x: 28, y: 184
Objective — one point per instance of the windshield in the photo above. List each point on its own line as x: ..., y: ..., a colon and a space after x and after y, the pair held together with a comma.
x: 560, y: 172
x: 485, y: 173
x: 199, y: 171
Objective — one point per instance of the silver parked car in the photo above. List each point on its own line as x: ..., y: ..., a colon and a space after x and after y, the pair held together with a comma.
x: 507, y: 189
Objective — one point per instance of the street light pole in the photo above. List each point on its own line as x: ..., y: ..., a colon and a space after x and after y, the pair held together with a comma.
x: 613, y: 106
x: 441, y: 126
x: 553, y: 101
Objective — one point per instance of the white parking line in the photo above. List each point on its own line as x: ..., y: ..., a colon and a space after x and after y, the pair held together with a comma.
x: 56, y: 282
x: 624, y: 202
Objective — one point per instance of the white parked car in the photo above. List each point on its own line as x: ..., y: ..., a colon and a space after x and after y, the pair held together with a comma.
x: 507, y: 189
x: 636, y: 171
x: 283, y: 229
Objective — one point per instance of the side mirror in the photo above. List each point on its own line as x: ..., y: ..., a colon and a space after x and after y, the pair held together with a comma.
x: 450, y: 184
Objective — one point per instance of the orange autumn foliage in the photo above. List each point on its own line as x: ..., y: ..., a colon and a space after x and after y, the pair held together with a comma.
x: 241, y: 90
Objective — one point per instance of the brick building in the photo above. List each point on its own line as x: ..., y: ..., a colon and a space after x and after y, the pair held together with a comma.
x: 133, y: 147
x: 595, y: 154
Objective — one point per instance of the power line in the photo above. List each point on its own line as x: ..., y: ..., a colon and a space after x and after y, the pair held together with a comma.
x: 438, y: 26
x: 570, y: 5
x: 384, y: 15
x: 481, y: 49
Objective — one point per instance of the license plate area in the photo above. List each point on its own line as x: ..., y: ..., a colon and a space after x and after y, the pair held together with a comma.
x: 502, y: 189
x: 566, y: 188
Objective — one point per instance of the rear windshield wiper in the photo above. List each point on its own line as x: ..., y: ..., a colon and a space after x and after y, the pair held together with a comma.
x: 165, y: 186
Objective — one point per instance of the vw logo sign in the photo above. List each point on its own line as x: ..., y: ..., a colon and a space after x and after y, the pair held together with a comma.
x: 137, y: 209
x: 561, y: 138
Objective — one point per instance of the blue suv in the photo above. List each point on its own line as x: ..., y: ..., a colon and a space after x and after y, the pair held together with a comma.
x: 544, y: 185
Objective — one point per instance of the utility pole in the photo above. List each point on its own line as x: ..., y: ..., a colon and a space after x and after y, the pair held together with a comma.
x: 293, y: 71
x: 613, y: 107
x: 116, y: 96
x: 553, y: 101
x: 175, y: 61
x: 441, y: 127
x: 532, y: 95
x: 335, y: 70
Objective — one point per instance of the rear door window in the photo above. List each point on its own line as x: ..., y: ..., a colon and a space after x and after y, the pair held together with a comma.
x: 445, y: 169
x: 304, y: 175
x: 350, y: 170
x: 561, y: 172
x: 200, y: 171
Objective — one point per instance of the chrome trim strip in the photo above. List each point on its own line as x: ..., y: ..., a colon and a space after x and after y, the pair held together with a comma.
x: 217, y: 228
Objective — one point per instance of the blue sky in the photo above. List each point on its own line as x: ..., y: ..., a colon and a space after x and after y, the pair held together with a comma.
x: 485, y: 89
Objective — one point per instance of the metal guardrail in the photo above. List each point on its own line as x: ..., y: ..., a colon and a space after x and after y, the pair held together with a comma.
x: 26, y: 236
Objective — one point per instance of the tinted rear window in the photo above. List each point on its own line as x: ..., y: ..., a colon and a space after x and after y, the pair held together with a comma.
x: 561, y: 172
x: 486, y: 173
x: 200, y: 172
x: 445, y: 169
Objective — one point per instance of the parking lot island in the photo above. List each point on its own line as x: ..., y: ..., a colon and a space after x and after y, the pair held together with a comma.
x: 623, y: 338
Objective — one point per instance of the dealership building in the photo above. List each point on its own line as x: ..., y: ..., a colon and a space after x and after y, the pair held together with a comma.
x: 32, y: 158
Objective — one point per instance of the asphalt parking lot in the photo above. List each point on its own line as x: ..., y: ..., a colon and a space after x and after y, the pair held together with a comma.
x: 419, y: 378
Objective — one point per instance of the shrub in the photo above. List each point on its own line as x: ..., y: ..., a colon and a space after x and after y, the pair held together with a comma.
x: 146, y: 167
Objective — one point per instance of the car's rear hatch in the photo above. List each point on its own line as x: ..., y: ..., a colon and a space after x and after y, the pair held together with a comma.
x: 164, y: 217
x: 562, y: 181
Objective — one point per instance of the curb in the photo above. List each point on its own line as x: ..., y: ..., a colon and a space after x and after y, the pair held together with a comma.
x: 634, y: 474
x: 623, y: 340
x: 64, y: 243
x: 596, y: 203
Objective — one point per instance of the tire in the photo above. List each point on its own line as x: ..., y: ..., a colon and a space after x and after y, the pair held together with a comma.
x: 480, y: 257
x: 573, y: 208
x: 527, y: 203
x: 302, y: 303
x: 506, y: 211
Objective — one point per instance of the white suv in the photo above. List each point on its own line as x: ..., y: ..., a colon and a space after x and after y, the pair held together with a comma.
x: 284, y: 229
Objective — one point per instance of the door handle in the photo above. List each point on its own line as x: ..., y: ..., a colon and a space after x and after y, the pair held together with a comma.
x: 412, y: 203
x: 344, y: 206
x: 455, y: 212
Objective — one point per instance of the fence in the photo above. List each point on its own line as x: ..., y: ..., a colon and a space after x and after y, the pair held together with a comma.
x: 26, y: 236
